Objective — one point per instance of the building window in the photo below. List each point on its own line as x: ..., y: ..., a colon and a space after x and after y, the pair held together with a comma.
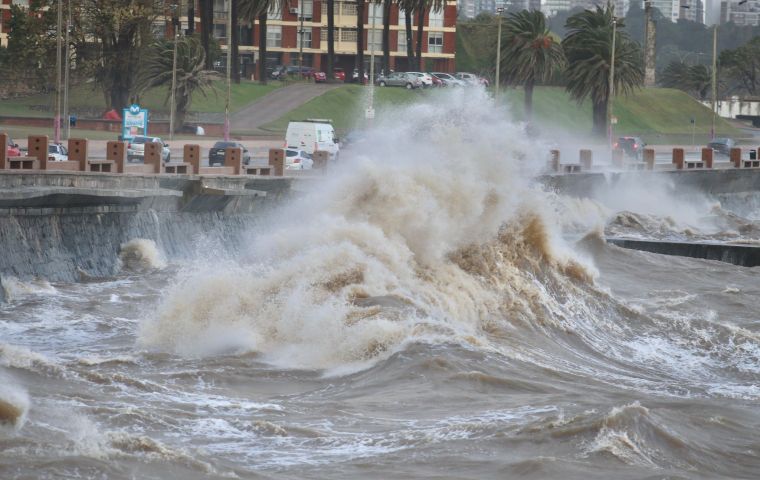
x: 347, y: 9
x: 435, y: 19
x: 375, y: 13
x: 220, y: 30
x: 402, y: 41
x: 306, y: 39
x: 274, y: 36
x: 402, y: 17
x: 308, y: 8
x: 435, y: 42
x: 348, y: 35
x: 375, y: 40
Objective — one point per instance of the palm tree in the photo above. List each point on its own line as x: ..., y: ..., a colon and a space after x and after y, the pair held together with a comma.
x: 192, y: 76
x: 234, y: 41
x: 207, y: 24
x: 530, y: 54
x: 587, y: 47
x: 693, y: 79
x: 360, y: 40
x: 249, y: 11
x: 409, y: 6
x: 423, y: 6
x: 330, y: 39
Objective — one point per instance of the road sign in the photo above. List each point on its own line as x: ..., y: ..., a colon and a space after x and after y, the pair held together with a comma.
x: 613, y: 120
x: 369, y: 113
x: 692, y: 120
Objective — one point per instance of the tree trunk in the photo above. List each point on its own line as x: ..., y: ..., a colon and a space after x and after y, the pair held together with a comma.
x: 263, y: 48
x: 206, y: 26
x: 386, y: 37
x: 600, y: 119
x: 529, y: 100
x: 410, y: 62
x: 235, y: 42
x: 360, y: 40
x: 330, y: 39
x: 191, y: 17
x: 420, y: 30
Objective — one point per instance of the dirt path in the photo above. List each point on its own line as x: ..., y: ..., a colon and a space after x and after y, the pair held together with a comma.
x: 272, y: 106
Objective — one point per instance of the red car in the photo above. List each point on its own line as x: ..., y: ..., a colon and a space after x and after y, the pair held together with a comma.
x: 13, y: 150
x: 320, y: 77
x: 437, y: 82
x: 340, y: 74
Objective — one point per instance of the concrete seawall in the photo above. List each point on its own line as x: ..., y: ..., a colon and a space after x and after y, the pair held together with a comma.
x: 744, y: 255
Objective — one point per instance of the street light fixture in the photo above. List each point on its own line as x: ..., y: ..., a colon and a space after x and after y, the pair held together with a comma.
x: 173, y: 101
x: 499, y: 11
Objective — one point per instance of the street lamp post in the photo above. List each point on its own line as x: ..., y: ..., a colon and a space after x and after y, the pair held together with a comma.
x: 173, y: 101
x: 229, y: 72
x: 498, y: 53
x: 714, y: 82
x: 370, y: 114
x: 57, y: 119
x: 67, y: 68
x: 612, y: 81
x: 300, y: 37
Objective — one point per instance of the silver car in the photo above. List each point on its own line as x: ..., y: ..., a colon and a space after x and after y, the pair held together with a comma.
x: 400, y: 79
x: 136, y: 149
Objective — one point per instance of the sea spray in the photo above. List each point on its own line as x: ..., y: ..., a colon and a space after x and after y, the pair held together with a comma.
x: 14, y: 404
x: 141, y: 255
x: 439, y: 213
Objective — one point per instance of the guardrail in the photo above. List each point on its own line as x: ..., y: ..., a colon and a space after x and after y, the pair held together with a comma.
x: 116, y: 160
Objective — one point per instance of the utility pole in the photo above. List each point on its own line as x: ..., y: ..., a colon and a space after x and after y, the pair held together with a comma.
x: 612, y: 81
x: 714, y: 78
x: 67, y: 68
x: 370, y: 113
x: 650, y: 39
x: 57, y: 119
x: 173, y: 101
x: 229, y: 72
x: 498, y: 53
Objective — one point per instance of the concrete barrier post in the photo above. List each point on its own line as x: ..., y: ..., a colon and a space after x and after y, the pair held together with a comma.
x: 735, y: 155
x: 678, y: 158
x: 233, y: 157
x: 115, y: 152
x: 192, y: 154
x: 153, y: 155
x: 3, y: 151
x: 37, y: 147
x: 554, y: 161
x: 78, y: 152
x: 707, y: 157
x: 321, y: 159
x: 617, y: 158
x: 277, y: 161
x: 587, y: 159
x: 649, y: 157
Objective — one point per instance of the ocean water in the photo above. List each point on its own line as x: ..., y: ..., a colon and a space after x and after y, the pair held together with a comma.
x: 427, y: 311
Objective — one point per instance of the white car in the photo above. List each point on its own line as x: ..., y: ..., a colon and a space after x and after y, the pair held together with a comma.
x: 470, y: 78
x: 449, y: 80
x: 136, y: 149
x: 57, y: 153
x: 425, y: 78
x: 296, y: 159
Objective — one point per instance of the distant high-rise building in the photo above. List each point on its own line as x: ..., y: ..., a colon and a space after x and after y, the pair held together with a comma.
x: 670, y: 9
x: 692, y: 10
x: 746, y: 14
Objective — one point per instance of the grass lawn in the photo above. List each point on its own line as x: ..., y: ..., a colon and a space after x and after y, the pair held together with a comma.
x: 345, y: 106
x: 84, y: 98
x: 659, y: 115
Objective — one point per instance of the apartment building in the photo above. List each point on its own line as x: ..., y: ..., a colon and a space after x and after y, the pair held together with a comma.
x: 746, y: 14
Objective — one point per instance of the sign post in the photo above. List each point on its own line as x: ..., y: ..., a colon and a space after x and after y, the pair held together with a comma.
x: 134, y: 122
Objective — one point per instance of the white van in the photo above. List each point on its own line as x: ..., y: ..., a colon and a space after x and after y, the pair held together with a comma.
x: 312, y: 135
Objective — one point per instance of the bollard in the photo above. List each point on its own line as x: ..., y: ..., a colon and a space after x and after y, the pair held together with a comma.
x: 320, y: 160
x: 735, y: 157
x: 277, y: 161
x: 587, y: 159
x: 37, y: 147
x: 649, y: 157
x: 192, y: 154
x: 707, y: 157
x: 115, y: 152
x: 152, y: 155
x: 233, y: 157
x: 4, y: 151
x: 678, y: 158
x: 617, y: 158
x: 554, y: 161
x: 78, y: 152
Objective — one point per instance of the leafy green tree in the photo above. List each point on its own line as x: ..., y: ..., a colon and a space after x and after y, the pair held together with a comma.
x: 530, y: 55
x: 250, y: 10
x: 742, y: 67
x: 192, y: 75
x: 692, y: 79
x: 588, y: 49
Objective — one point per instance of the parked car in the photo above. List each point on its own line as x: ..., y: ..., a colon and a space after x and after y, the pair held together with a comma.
x: 449, y: 80
x: 339, y: 74
x: 216, y: 153
x: 278, y: 71
x: 437, y: 82
x: 400, y: 79
x: 12, y: 149
x: 355, y: 77
x: 471, y: 79
x: 296, y: 159
x: 320, y: 77
x: 631, y: 146
x: 722, y: 146
x: 312, y: 135
x: 136, y: 149
x: 57, y: 153
x: 425, y: 78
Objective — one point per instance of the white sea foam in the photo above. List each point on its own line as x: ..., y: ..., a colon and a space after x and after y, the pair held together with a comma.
x: 141, y: 255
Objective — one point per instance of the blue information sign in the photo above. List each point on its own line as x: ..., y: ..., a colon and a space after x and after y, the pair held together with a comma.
x: 134, y: 122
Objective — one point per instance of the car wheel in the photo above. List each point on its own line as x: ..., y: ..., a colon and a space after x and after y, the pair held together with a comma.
x: 382, y: 84
x: 409, y: 86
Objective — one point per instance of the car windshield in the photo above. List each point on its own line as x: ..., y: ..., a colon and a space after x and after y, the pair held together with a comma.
x: 720, y: 141
x: 224, y: 144
x: 139, y: 140
x: 52, y: 149
x: 291, y: 153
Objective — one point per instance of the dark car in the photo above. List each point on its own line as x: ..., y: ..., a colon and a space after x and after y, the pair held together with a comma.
x: 216, y: 154
x: 722, y: 145
x: 631, y: 146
